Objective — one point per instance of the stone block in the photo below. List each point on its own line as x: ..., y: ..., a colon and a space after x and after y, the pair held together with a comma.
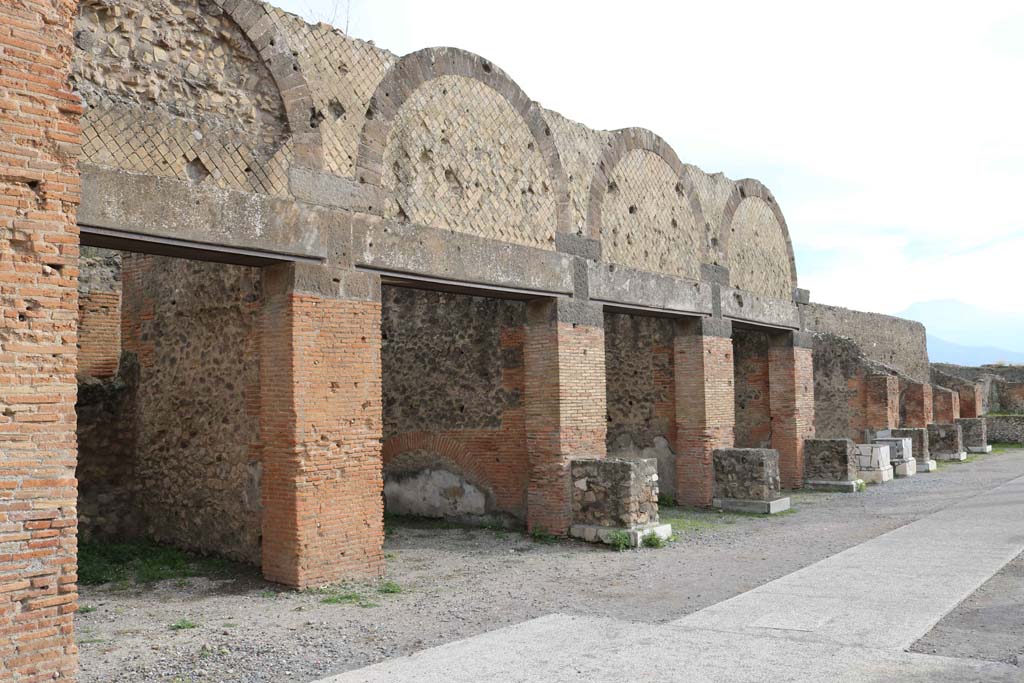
x: 747, y: 474
x: 905, y: 468
x: 975, y: 433
x: 900, y: 455
x: 601, y: 534
x: 614, y: 494
x: 763, y: 507
x: 919, y: 444
x: 946, y: 441
x: 873, y: 463
x: 830, y: 461
x: 834, y: 486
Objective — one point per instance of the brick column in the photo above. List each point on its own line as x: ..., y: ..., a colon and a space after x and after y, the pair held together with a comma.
x: 705, y: 404
x: 791, y: 377
x: 883, y: 402
x: 918, y: 408
x: 39, y: 311
x: 971, y: 399
x: 946, y: 405
x: 566, y: 415
x: 320, y: 421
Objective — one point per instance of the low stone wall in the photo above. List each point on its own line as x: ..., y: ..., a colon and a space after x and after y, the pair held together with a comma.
x: 974, y: 432
x: 919, y: 442
x: 1005, y: 428
x: 830, y: 460
x: 614, y: 493
x: 747, y: 474
x: 945, y: 439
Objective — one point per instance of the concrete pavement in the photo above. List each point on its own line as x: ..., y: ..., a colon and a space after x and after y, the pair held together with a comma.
x: 849, y: 617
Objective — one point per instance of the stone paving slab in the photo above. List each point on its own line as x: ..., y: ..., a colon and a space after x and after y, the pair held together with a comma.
x: 849, y: 617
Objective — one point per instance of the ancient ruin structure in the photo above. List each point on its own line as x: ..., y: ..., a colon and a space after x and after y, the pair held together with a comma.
x: 347, y: 279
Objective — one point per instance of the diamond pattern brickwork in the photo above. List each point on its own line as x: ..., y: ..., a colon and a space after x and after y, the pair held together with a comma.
x: 758, y: 254
x: 713, y: 190
x: 459, y: 157
x: 579, y: 149
x: 646, y: 221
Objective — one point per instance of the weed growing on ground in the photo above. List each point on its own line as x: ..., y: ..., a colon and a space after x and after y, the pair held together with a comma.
x: 342, y: 599
x: 85, y: 609
x: 542, y: 536
x: 861, y: 486
x: 653, y: 540
x: 183, y: 624
x: 666, y: 501
x: 125, y: 562
x: 389, y: 587
x: 619, y: 540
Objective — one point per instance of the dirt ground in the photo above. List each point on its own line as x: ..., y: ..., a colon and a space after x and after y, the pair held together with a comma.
x: 445, y: 584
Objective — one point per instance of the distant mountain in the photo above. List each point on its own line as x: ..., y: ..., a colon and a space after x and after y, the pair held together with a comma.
x: 942, y: 351
x: 959, y: 331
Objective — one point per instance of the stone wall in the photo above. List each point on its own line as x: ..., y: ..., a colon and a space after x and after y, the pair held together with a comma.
x: 614, y: 493
x: 453, y: 404
x: 747, y: 474
x: 108, y: 486
x: 974, y: 432
x: 830, y: 460
x: 1005, y: 428
x: 919, y: 442
x: 99, y: 312
x: 641, y: 395
x: 752, y: 389
x: 194, y: 328
x: 851, y: 392
x: 897, y: 343
x: 945, y: 439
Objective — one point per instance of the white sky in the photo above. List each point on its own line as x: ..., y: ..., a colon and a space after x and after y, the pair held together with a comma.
x: 892, y: 133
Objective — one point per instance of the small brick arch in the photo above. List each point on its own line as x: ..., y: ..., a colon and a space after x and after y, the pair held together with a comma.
x: 746, y: 189
x: 254, y: 19
x: 445, y: 447
x: 623, y: 142
x: 422, y: 66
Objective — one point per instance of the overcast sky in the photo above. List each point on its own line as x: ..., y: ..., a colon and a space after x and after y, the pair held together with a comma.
x: 891, y: 133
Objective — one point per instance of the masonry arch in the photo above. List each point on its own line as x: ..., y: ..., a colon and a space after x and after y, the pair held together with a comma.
x: 756, y: 242
x: 645, y: 209
x: 420, y: 135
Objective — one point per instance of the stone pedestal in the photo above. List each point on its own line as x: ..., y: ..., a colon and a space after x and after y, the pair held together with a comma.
x: 919, y: 445
x: 614, y: 496
x: 831, y: 465
x: 975, y: 434
x: 747, y: 480
x: 873, y: 463
x: 946, y: 442
x: 900, y: 455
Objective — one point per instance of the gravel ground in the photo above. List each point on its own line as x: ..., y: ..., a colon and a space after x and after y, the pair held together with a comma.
x: 456, y: 583
x: 988, y: 625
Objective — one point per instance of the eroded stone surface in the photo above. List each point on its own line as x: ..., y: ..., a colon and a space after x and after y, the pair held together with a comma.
x: 747, y: 474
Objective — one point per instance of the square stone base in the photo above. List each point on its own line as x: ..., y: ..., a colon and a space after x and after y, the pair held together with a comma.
x: 979, y: 449
x: 962, y: 455
x: 603, y: 534
x: 761, y: 507
x: 835, y: 486
x: 879, y: 476
x: 905, y: 468
x: 927, y: 466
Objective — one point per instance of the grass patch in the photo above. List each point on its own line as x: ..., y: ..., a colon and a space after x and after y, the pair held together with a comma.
x: 90, y: 641
x: 85, y: 609
x: 619, y: 540
x: 389, y: 587
x: 653, y: 540
x: 183, y: 625
x: 342, y: 599
x: 542, y: 536
x: 126, y: 562
x: 1003, y: 447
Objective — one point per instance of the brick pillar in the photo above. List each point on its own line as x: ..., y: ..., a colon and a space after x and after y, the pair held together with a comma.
x: 791, y: 377
x: 38, y: 317
x: 566, y: 415
x: 918, y: 408
x: 970, y: 397
x: 946, y: 405
x: 883, y: 402
x: 705, y: 404
x: 321, y: 421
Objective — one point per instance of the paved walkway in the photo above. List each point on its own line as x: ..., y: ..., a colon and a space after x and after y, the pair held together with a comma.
x: 849, y: 617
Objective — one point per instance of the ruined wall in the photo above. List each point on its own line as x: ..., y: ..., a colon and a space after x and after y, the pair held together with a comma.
x: 99, y: 313
x: 194, y: 329
x: 752, y: 389
x: 175, y: 88
x: 641, y: 395
x: 1005, y: 428
x: 614, y: 493
x: 899, y: 344
x: 1001, y: 386
x: 846, y: 398
x: 453, y: 404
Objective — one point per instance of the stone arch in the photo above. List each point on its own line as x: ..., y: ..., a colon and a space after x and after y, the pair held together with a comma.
x: 417, y: 69
x: 256, y: 22
x: 746, y: 191
x: 625, y: 142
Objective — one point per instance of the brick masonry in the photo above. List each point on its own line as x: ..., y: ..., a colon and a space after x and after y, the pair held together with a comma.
x: 883, y: 402
x: 791, y: 367
x: 99, y: 333
x: 753, y: 394
x: 39, y: 193
x: 916, y: 404
x: 972, y: 400
x: 946, y: 405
